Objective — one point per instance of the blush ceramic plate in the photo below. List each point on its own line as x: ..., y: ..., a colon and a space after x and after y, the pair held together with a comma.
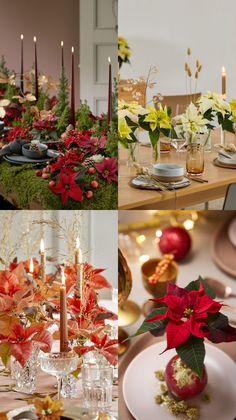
x: 223, y: 250
x: 140, y: 385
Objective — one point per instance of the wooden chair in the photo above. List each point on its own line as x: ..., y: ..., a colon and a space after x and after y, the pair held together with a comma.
x: 178, y: 103
x: 132, y: 91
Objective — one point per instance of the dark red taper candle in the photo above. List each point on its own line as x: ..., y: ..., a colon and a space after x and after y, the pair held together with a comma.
x: 36, y: 69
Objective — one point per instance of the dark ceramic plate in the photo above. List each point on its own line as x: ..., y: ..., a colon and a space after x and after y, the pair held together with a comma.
x: 23, y: 160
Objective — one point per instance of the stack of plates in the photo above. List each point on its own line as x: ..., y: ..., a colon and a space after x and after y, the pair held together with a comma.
x: 227, y: 159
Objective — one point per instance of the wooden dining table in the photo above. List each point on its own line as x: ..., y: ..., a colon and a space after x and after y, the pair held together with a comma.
x: 196, y: 193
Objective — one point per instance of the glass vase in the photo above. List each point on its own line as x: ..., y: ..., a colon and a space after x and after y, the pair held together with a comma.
x: 156, y: 152
x: 195, y: 159
x: 26, y: 376
x: 70, y: 386
x: 133, y: 151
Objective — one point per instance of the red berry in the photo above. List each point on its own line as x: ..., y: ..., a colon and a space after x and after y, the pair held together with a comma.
x: 44, y: 170
x: 94, y: 184
x: 89, y: 194
x: 91, y: 170
x: 39, y: 172
x: 51, y: 183
x: 45, y: 176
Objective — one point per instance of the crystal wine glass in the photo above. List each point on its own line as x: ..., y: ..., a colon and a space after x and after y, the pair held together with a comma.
x: 59, y: 364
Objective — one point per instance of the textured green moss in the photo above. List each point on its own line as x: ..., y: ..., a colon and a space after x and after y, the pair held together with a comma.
x: 28, y: 187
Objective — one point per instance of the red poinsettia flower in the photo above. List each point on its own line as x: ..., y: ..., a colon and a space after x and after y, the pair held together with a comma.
x: 186, y: 314
x: 75, y: 137
x: 67, y: 187
x: 18, y: 132
x: 93, y: 144
x: 108, y: 169
x: 19, y: 342
x: 103, y: 345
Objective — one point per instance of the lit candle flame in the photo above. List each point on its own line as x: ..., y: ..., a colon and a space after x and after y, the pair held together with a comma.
x: 109, y: 60
x: 63, y: 277
x: 72, y: 50
x: 31, y: 267
x: 22, y: 36
x: 42, y: 246
x: 223, y: 71
x: 62, y: 43
x: 77, y: 243
x: 35, y: 39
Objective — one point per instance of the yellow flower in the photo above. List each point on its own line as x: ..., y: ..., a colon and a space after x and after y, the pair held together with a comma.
x: 158, y: 118
x: 124, y: 129
x: 123, y: 49
x: 233, y: 109
x: 48, y: 407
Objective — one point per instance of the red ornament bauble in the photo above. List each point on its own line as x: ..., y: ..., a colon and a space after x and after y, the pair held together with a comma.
x: 181, y: 381
x: 176, y: 241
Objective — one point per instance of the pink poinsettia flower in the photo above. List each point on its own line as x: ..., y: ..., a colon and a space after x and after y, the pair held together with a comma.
x: 94, y: 144
x: 103, y: 345
x: 108, y: 169
x: 67, y: 187
x: 19, y: 342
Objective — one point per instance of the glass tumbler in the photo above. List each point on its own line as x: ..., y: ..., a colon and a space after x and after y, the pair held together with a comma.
x: 97, y: 385
x: 195, y: 159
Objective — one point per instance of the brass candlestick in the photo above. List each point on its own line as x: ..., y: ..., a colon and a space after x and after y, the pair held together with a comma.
x: 128, y: 311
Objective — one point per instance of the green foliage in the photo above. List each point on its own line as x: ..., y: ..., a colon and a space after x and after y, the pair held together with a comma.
x: 195, y: 285
x: 157, y: 328
x: 28, y: 189
x: 27, y: 118
x: 10, y: 92
x: 3, y: 67
x: 192, y: 353
x: 63, y: 94
x: 42, y: 100
x: 111, y: 147
x: 63, y: 120
x: 84, y: 121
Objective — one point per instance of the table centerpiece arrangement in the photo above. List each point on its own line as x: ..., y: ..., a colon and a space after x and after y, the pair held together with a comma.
x: 54, y: 320
x: 75, y: 151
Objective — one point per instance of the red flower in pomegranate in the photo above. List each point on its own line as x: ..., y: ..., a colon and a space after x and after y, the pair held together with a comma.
x: 67, y: 187
x: 108, y: 169
x: 186, y: 314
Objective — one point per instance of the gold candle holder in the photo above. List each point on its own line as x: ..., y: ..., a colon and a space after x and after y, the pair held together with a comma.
x: 42, y: 261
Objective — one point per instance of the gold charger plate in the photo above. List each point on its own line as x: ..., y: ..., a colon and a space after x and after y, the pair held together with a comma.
x: 223, y: 165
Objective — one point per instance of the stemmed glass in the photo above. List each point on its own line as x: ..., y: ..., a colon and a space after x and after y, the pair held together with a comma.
x: 59, y: 364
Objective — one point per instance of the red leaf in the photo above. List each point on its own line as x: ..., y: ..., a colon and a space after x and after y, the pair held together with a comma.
x: 44, y: 340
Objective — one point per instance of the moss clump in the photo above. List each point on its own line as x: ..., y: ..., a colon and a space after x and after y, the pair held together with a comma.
x: 28, y: 188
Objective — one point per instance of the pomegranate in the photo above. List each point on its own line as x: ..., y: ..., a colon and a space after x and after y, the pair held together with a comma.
x: 181, y: 381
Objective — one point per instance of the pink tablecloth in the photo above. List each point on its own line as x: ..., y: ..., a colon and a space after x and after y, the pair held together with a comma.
x: 45, y: 384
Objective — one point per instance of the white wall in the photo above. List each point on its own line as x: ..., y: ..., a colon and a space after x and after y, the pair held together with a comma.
x: 103, y: 242
x: 159, y: 33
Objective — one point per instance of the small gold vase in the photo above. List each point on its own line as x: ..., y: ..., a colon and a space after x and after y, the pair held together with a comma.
x: 158, y: 289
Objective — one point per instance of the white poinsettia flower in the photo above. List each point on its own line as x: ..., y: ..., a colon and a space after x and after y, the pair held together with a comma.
x: 190, y: 124
x: 97, y: 158
x: 130, y: 110
x: 2, y: 112
x: 4, y: 102
x: 214, y: 101
x: 27, y: 98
